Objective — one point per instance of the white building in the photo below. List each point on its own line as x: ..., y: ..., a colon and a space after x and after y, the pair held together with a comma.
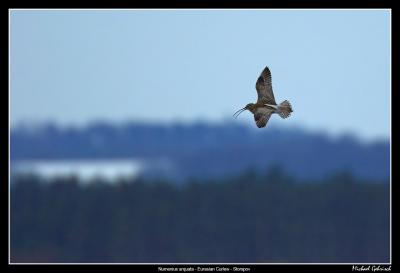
x: 84, y: 170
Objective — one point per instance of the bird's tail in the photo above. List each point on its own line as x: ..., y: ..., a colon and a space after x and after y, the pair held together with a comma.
x: 284, y: 109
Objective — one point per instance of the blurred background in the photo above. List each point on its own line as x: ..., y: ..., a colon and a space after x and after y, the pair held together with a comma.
x: 124, y: 149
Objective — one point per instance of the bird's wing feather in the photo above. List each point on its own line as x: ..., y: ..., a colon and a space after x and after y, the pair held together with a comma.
x: 262, y: 115
x: 264, y: 88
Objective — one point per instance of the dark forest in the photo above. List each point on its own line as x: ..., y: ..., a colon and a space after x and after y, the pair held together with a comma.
x: 253, y: 217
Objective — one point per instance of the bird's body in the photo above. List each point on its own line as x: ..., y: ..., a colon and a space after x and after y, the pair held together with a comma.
x: 266, y: 105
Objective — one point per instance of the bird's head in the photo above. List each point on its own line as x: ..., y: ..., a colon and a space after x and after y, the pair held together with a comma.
x: 249, y: 106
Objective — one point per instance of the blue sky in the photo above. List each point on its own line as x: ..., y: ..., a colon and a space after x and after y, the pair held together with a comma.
x: 77, y: 66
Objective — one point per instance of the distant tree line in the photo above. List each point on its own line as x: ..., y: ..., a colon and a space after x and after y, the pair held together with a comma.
x: 248, y: 218
x: 206, y: 150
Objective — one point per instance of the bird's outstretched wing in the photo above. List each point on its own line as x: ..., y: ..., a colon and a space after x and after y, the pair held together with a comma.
x: 262, y: 115
x: 264, y: 88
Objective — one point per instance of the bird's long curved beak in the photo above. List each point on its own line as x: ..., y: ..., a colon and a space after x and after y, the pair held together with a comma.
x: 238, y: 112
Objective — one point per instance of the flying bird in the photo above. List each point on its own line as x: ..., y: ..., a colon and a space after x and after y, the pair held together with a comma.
x: 265, y: 105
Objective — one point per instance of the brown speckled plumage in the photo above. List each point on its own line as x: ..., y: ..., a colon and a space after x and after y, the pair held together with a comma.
x: 266, y: 105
